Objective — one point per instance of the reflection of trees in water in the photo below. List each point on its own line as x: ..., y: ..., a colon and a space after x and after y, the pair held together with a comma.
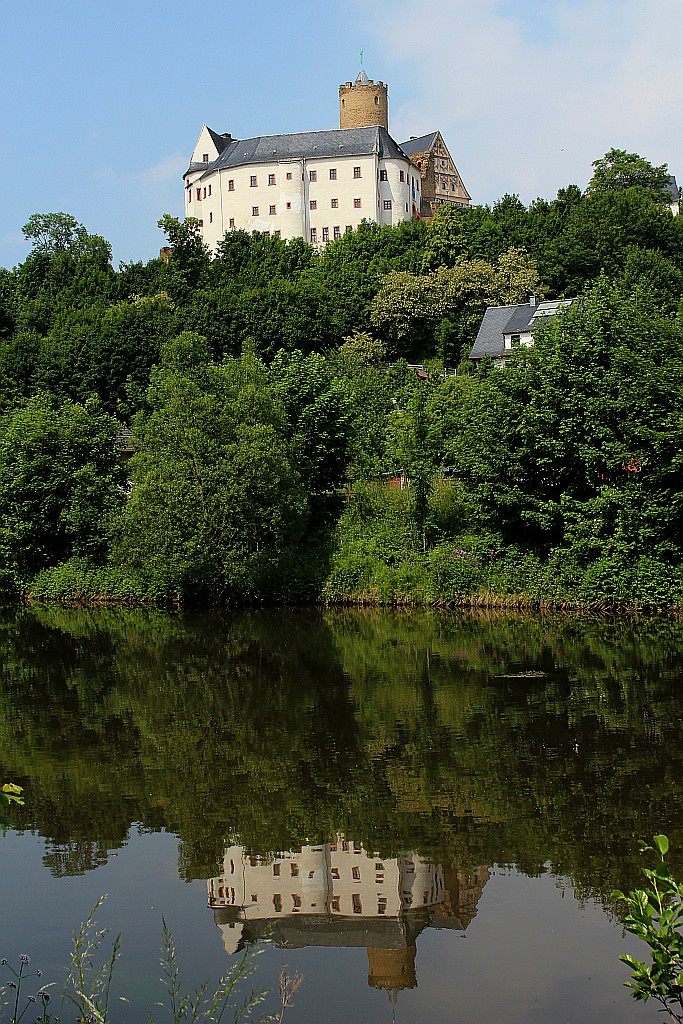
x: 536, y: 742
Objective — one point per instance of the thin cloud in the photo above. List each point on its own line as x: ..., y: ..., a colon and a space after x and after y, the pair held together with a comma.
x: 169, y: 168
x: 526, y: 104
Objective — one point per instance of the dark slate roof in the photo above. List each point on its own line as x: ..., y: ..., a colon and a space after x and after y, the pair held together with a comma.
x: 420, y: 145
x: 337, y: 142
x: 489, y: 340
x: 500, y: 320
x: 520, y: 319
x: 219, y: 141
x: 673, y: 189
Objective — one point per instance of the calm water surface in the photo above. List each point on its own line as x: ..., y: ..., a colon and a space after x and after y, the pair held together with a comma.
x: 424, y: 815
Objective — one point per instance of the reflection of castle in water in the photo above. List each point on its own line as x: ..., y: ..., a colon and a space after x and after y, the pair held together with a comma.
x: 336, y: 894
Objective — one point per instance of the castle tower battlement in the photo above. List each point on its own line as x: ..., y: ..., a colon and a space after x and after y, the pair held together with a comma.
x: 363, y: 104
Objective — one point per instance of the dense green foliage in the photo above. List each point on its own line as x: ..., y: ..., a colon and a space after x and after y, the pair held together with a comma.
x: 270, y: 404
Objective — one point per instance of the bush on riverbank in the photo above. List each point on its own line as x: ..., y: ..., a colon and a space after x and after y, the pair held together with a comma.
x: 378, y: 558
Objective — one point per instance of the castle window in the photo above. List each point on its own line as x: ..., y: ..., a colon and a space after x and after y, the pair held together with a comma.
x: 336, y: 232
x: 296, y: 902
x: 189, y: 195
x: 204, y: 196
x: 356, y: 172
x: 289, y: 175
x: 349, y: 228
x: 209, y: 190
x: 271, y: 179
x: 253, y: 181
x: 232, y: 223
x: 254, y: 211
x: 383, y: 176
x: 334, y: 905
x: 376, y: 101
x: 289, y: 206
x: 271, y: 210
x: 402, y: 176
x: 357, y: 904
x: 294, y: 870
x: 199, y: 194
x: 333, y: 173
x: 314, y: 204
x: 277, y: 903
x: 205, y: 158
x: 356, y: 874
x: 201, y: 223
x: 231, y: 185
x: 312, y: 175
x: 334, y: 203
x: 387, y: 204
x: 210, y: 218
x: 276, y: 869
x: 326, y: 234
x: 356, y: 204
x: 276, y: 233
x: 314, y: 236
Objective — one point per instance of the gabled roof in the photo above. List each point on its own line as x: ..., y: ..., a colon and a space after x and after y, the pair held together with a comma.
x: 520, y: 318
x: 420, y: 145
x: 489, y: 340
x: 337, y: 142
x: 501, y: 320
x: 219, y: 141
x: 673, y: 189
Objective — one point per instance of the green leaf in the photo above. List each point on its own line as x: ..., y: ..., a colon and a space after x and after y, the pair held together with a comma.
x: 662, y: 844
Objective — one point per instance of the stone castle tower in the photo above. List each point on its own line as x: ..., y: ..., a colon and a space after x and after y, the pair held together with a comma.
x: 363, y: 104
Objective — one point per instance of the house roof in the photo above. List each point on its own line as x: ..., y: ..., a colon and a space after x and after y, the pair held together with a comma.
x: 337, y: 142
x: 501, y: 320
x: 489, y: 340
x: 520, y: 318
x: 219, y: 141
x: 420, y: 145
x: 673, y: 188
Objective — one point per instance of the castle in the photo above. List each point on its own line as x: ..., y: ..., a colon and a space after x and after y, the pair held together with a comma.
x: 319, y: 185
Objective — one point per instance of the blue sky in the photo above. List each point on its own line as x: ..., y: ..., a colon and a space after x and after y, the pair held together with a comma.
x: 103, y: 103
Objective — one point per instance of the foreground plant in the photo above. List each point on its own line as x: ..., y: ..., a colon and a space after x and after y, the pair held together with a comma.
x: 203, y: 1005
x: 9, y: 794
x: 86, y: 993
x: 656, y: 916
x: 11, y: 993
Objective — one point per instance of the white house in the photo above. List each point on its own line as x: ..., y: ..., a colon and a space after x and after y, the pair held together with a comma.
x: 505, y: 328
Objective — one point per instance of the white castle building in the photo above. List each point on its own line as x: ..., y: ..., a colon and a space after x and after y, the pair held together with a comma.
x: 311, y: 185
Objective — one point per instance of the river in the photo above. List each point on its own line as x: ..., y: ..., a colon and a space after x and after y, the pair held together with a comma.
x: 423, y: 814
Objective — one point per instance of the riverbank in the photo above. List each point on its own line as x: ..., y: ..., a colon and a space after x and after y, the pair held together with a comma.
x: 354, y: 574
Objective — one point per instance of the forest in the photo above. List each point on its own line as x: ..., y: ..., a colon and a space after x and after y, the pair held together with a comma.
x: 232, y: 428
